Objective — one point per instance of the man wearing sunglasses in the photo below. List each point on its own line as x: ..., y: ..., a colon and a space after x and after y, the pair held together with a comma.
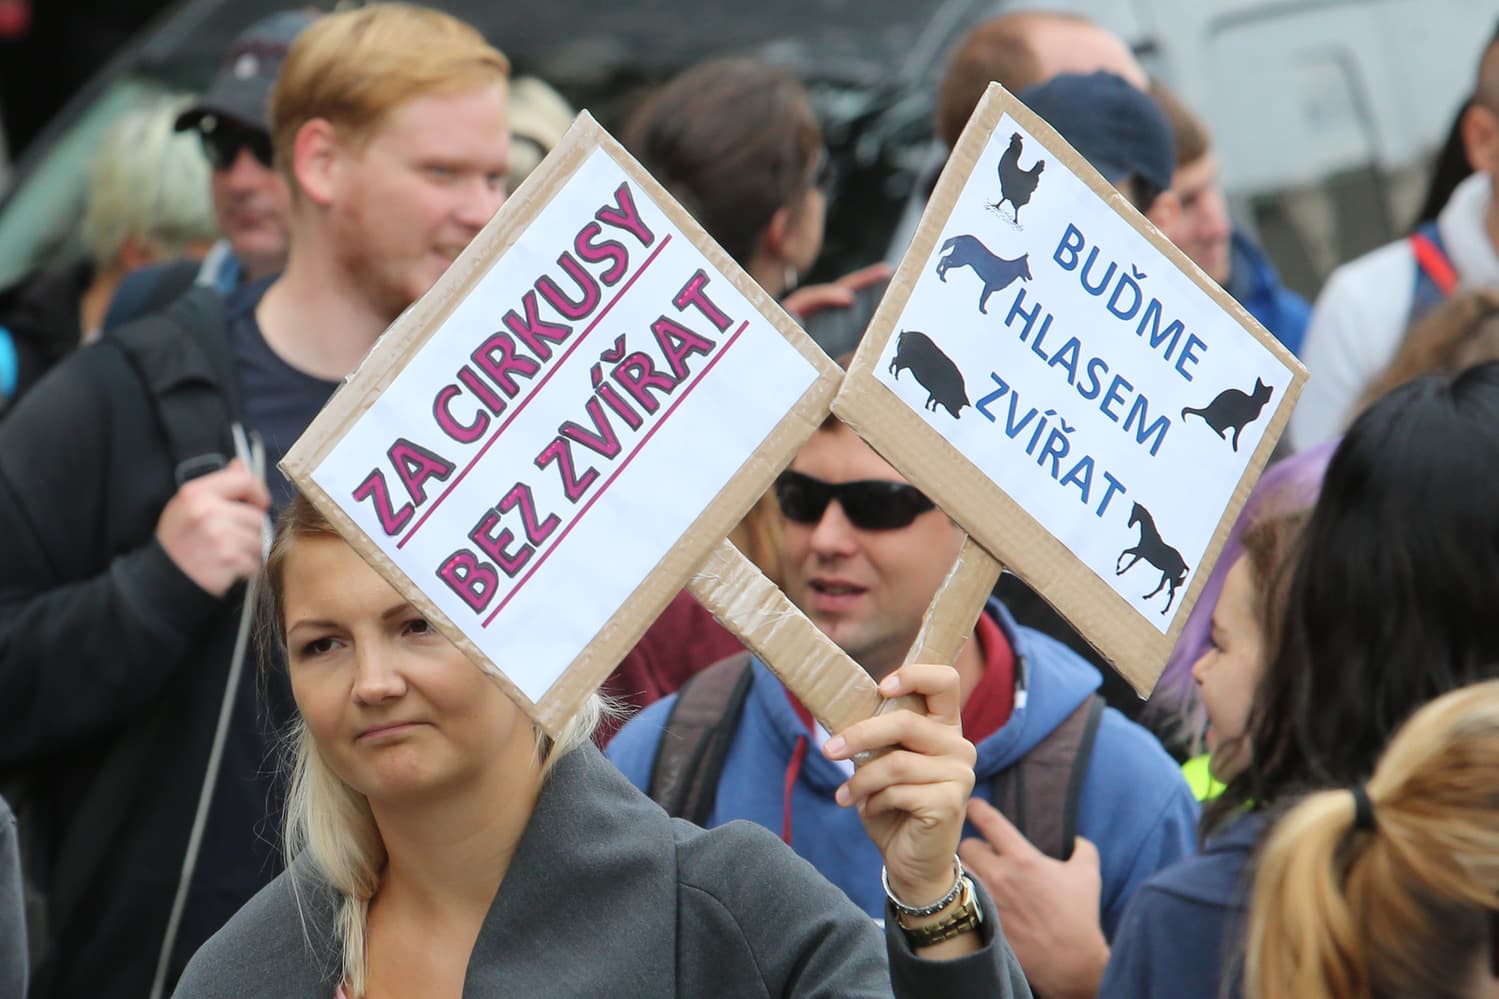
x: 250, y: 198
x: 862, y: 555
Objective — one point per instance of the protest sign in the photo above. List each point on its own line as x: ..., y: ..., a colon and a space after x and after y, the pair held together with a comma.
x: 1069, y: 387
x: 545, y: 447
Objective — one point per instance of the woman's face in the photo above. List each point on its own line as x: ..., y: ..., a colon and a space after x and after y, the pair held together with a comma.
x: 1230, y: 669
x: 393, y: 707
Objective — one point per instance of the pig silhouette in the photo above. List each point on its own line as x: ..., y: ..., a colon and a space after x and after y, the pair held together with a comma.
x: 934, y: 372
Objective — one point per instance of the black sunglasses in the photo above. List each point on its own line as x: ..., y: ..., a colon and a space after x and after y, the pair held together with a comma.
x: 870, y: 505
x: 222, y: 142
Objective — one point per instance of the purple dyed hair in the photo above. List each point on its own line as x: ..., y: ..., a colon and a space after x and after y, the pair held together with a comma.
x: 1288, y: 486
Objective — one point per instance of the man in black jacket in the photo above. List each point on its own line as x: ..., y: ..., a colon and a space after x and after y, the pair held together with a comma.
x: 122, y: 581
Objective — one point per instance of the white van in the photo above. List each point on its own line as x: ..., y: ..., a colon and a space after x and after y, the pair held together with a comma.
x: 1324, y: 113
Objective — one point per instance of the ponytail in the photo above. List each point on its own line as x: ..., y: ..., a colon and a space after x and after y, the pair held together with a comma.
x: 1398, y: 903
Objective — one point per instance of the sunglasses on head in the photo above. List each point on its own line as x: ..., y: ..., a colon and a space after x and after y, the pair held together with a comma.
x: 870, y: 505
x: 222, y: 142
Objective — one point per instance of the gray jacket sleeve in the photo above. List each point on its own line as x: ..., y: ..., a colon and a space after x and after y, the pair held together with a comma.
x: 12, y: 911
x: 992, y: 971
x: 807, y: 939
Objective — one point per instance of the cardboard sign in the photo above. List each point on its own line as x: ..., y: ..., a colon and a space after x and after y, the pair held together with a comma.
x: 544, y: 448
x: 1069, y: 387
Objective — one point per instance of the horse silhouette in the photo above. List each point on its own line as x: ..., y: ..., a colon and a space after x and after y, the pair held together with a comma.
x: 1155, y: 551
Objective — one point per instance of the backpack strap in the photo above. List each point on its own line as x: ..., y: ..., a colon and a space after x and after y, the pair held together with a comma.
x: 182, y: 358
x: 696, y: 739
x: 1435, y: 277
x: 1039, y: 793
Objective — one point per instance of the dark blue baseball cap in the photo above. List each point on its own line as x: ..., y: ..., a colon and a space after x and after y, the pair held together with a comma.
x: 1119, y: 130
x: 242, y: 88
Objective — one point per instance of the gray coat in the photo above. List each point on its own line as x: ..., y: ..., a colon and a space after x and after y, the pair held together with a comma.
x: 606, y: 895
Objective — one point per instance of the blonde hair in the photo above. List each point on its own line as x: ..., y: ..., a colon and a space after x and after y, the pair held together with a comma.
x: 354, y: 67
x: 148, y: 181
x: 1402, y: 908
x: 328, y: 821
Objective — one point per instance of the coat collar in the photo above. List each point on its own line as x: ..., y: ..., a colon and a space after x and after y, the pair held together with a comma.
x: 596, y: 856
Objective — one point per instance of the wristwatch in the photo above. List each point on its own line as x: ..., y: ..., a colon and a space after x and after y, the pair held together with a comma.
x: 963, y: 919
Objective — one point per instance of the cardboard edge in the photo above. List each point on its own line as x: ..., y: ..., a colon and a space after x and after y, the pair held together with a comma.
x: 834, y: 688
x: 955, y: 608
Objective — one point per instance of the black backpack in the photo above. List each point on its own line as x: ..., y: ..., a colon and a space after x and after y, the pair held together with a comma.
x: 1039, y: 794
x: 193, y: 414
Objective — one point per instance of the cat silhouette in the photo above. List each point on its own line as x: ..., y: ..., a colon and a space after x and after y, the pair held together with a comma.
x: 1233, y: 410
x: 996, y: 272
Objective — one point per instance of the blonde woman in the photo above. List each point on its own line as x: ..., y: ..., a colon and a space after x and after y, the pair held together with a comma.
x: 1391, y: 889
x: 440, y: 845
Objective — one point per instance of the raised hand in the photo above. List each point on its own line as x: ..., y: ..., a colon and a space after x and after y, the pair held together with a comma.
x: 912, y: 795
x: 1049, y: 908
x: 838, y: 294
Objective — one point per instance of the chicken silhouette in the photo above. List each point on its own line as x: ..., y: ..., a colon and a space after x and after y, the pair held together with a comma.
x: 1016, y: 185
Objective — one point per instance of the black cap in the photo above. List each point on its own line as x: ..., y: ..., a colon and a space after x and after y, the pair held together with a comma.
x: 242, y: 88
x: 1118, y: 129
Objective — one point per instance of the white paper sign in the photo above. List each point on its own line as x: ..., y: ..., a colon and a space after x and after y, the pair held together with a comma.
x: 1081, y: 371
x: 569, y: 420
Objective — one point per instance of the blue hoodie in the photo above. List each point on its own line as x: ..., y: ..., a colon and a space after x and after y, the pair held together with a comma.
x: 1134, y: 806
x: 1256, y: 285
x: 1183, y: 934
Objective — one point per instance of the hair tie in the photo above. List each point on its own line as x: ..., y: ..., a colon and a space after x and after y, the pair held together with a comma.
x: 1363, y: 809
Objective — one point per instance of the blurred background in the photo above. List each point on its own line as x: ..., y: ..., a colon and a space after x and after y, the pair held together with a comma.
x: 1327, y: 115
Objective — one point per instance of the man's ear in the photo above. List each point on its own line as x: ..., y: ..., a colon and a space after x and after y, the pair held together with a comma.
x: 315, y: 160
x: 1165, y: 212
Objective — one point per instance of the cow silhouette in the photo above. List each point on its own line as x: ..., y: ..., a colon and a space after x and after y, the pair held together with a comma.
x: 996, y: 272
x: 934, y: 372
x: 1233, y: 409
x: 1155, y: 551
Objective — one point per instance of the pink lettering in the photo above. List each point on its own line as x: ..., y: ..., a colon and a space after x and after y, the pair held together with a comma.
x: 415, y: 465
x: 470, y: 578
x: 463, y: 434
x: 692, y: 294
x: 589, y: 247
x: 532, y: 330
x: 559, y: 453
x: 679, y: 343
x: 625, y: 216
x: 374, y: 489
x: 637, y: 375
x: 498, y: 358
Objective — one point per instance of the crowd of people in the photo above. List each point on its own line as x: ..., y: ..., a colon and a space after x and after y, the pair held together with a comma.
x: 234, y: 761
